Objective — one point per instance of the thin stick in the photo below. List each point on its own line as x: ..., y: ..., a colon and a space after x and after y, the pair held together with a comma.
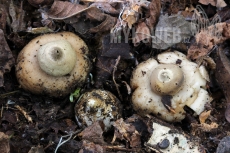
x: 121, y: 148
x: 8, y: 93
x: 1, y: 112
x: 24, y: 113
x: 114, y: 70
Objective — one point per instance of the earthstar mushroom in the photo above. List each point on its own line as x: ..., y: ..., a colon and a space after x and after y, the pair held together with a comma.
x: 53, y: 64
x: 97, y: 104
x: 164, y: 86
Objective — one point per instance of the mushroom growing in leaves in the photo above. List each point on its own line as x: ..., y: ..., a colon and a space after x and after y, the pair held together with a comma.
x: 164, y: 86
x: 53, y: 64
x: 97, y: 105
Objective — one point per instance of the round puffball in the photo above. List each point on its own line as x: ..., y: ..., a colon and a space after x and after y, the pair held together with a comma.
x: 97, y: 105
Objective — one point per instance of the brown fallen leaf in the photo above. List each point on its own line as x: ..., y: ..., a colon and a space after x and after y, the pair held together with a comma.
x: 92, y: 147
x: 222, y: 75
x: 105, y: 26
x: 128, y: 132
x: 105, y: 7
x: 217, y: 3
x: 4, y: 143
x: 154, y: 13
x: 142, y: 33
x: 61, y: 10
x: 206, y: 39
x: 130, y: 16
x: 6, y: 58
x: 17, y: 15
x: 71, y: 13
x: 132, y: 11
x: 93, y: 133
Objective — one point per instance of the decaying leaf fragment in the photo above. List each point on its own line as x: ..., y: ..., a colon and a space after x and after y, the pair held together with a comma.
x: 4, y: 143
x: 105, y: 25
x: 203, y: 127
x: 206, y: 39
x: 154, y: 13
x: 17, y: 15
x: 91, y: 147
x: 62, y: 10
x: 132, y: 11
x: 6, y: 57
x: 142, y: 33
x: 128, y: 132
x: 222, y: 75
x: 72, y: 14
x: 105, y: 7
x: 217, y: 3
x: 130, y: 16
x: 93, y: 133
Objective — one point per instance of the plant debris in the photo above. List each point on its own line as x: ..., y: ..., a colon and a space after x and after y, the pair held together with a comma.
x: 6, y: 57
x: 4, y: 143
x: 217, y: 3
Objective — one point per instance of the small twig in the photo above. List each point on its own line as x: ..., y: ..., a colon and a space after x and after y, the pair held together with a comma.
x: 49, y: 144
x: 121, y: 148
x: 24, y: 113
x: 114, y: 70
x: 1, y: 112
x: 8, y: 94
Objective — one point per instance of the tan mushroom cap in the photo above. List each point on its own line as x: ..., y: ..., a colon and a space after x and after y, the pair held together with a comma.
x: 32, y: 77
x: 167, y: 79
x: 57, y: 58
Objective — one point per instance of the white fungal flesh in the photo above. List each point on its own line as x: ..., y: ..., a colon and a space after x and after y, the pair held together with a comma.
x: 182, y: 145
x: 204, y: 73
x: 199, y: 103
x: 192, y: 92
